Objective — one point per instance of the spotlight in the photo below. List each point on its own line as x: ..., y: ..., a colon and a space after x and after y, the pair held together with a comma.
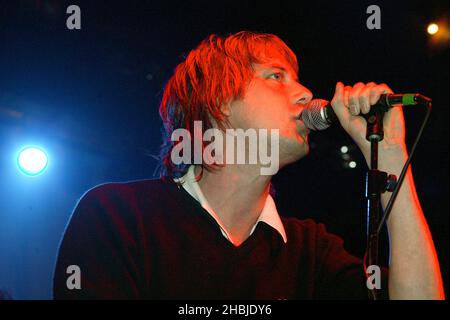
x: 344, y: 149
x: 32, y: 161
x: 433, y: 28
x: 352, y: 164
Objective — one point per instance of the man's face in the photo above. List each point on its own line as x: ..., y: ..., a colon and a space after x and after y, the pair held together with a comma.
x: 273, y: 100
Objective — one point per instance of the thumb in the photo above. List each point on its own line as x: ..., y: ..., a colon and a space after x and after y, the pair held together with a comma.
x: 338, y: 103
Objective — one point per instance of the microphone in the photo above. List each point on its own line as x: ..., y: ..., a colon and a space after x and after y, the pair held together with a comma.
x: 319, y: 115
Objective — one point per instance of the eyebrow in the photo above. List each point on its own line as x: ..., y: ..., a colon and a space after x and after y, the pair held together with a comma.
x: 278, y: 66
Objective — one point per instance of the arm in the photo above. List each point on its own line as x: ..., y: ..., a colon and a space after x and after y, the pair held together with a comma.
x: 414, y: 268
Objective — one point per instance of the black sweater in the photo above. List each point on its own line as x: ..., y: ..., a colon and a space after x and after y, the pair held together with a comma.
x: 150, y: 239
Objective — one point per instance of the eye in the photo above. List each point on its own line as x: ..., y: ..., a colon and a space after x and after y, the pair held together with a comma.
x: 276, y: 76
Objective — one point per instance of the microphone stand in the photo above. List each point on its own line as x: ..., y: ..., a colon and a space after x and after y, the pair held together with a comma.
x: 377, y: 182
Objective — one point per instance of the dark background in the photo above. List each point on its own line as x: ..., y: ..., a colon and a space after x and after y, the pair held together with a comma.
x: 90, y: 97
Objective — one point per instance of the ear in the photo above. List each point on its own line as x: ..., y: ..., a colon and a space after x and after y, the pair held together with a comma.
x: 226, y: 109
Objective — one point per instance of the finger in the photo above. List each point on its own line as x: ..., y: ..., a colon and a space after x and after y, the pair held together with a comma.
x: 353, y: 98
x: 347, y: 90
x: 377, y: 91
x: 339, y: 93
x: 338, y: 100
x: 364, y: 97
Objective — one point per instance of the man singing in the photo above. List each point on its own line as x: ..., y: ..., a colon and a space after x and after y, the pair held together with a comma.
x: 210, y: 229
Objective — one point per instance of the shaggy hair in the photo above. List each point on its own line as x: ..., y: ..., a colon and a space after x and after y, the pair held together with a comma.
x: 215, y: 73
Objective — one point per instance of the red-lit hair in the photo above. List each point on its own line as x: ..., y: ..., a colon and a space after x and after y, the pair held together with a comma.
x: 215, y: 73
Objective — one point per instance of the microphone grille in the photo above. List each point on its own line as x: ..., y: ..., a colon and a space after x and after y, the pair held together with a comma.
x: 314, y: 115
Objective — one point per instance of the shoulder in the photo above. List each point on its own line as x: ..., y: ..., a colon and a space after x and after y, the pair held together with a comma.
x: 309, y: 232
x: 304, y: 225
x: 136, y: 186
x: 129, y: 191
x: 116, y: 207
x: 125, y: 201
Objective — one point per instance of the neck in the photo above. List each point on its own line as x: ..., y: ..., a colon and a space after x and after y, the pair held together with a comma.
x: 237, y: 194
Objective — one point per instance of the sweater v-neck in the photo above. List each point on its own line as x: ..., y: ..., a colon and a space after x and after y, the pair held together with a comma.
x: 246, y: 245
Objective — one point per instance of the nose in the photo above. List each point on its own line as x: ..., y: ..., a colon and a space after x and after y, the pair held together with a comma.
x: 302, y: 95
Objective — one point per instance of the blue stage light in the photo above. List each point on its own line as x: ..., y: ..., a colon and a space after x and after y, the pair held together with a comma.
x: 32, y: 161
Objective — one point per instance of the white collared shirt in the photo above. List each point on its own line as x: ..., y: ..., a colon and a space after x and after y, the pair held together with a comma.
x: 269, y: 213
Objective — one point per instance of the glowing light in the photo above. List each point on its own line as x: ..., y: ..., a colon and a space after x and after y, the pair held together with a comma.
x: 344, y: 149
x: 32, y: 161
x: 433, y: 28
x: 352, y: 164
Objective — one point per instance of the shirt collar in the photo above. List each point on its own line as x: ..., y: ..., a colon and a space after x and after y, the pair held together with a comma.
x: 269, y: 213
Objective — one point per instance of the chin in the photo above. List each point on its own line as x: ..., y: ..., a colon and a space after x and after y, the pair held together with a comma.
x: 293, y: 151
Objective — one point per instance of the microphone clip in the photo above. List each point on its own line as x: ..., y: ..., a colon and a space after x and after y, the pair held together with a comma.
x: 374, y: 118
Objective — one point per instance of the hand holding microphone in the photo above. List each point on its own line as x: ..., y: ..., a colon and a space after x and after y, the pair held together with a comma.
x: 319, y: 115
x: 350, y: 104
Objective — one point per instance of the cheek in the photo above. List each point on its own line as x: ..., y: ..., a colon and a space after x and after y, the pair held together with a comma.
x: 263, y: 106
x: 270, y: 107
